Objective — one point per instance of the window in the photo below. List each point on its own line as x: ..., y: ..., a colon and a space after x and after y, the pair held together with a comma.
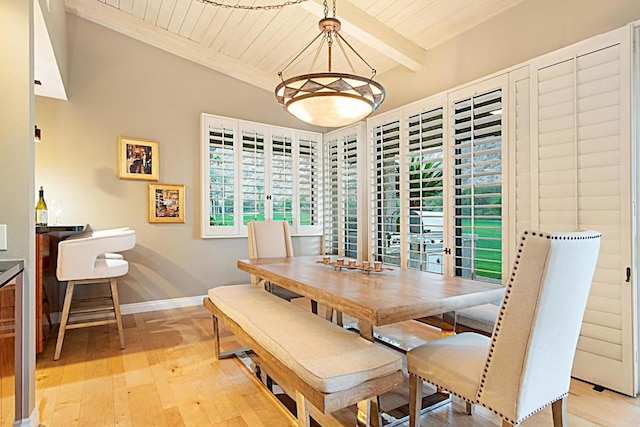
x: 386, y: 193
x: 341, y: 229
x: 425, y: 156
x: 252, y: 171
x: 477, y: 189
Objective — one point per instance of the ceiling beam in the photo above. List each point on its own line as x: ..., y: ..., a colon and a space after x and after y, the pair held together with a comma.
x: 148, y: 33
x: 373, y: 33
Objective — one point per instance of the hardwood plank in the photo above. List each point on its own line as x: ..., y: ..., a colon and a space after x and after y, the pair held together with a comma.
x: 96, y: 383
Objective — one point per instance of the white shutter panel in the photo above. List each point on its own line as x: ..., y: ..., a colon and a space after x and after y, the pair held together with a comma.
x: 281, y: 173
x: 477, y: 190
x: 522, y: 157
x: 425, y: 167
x: 308, y: 178
x: 583, y: 173
x: 349, y: 183
x: 341, y: 180
x: 386, y: 193
x: 219, y: 177
x: 331, y: 197
x: 254, y: 178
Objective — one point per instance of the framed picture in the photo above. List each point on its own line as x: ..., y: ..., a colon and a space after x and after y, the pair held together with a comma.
x: 138, y: 158
x: 166, y: 203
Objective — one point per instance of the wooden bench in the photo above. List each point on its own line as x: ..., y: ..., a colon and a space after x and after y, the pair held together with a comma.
x: 310, y: 358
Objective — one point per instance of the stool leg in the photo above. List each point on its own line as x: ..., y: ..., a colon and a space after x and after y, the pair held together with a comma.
x: 68, y: 296
x: 116, y: 307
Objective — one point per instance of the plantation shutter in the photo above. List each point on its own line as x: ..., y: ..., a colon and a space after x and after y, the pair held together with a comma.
x: 583, y: 158
x: 425, y: 167
x: 307, y: 183
x: 252, y: 171
x: 220, y: 155
x: 477, y: 189
x: 281, y: 174
x: 331, y: 198
x: 342, y: 232
x: 349, y: 200
x: 519, y: 156
x: 253, y: 156
x: 386, y: 193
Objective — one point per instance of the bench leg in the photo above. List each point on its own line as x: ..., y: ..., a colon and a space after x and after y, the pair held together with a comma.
x: 304, y: 420
x: 216, y: 338
x: 369, y: 413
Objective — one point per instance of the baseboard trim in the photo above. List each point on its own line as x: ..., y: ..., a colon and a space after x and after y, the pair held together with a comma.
x: 142, y: 307
x: 32, y: 421
x: 163, y: 304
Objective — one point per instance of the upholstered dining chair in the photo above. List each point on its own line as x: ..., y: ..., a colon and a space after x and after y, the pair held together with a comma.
x: 526, y: 364
x: 87, y: 259
x: 271, y: 239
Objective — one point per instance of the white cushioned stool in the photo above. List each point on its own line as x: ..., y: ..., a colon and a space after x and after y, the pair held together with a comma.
x: 92, y: 258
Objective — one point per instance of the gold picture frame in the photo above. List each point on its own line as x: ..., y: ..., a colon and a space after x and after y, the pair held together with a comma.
x: 166, y: 203
x: 138, y: 158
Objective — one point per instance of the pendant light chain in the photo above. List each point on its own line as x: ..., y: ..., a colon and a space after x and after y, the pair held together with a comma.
x: 245, y: 7
x: 326, y: 8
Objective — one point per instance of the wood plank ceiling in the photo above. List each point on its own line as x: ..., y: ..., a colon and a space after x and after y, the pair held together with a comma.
x: 253, y: 45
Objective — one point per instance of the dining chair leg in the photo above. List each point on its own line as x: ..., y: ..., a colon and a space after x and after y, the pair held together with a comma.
x: 470, y: 408
x: 116, y: 308
x: 314, y: 307
x: 559, y: 410
x: 415, y: 400
x: 68, y: 296
x: 339, y: 318
x: 302, y: 406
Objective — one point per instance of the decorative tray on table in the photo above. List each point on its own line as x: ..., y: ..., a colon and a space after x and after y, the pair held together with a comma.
x: 365, y: 267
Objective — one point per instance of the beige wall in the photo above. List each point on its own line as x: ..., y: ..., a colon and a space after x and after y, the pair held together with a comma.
x: 525, y: 31
x: 119, y: 86
x: 16, y: 167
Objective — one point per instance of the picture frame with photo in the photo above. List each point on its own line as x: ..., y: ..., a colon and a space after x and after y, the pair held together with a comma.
x: 138, y: 159
x: 166, y: 203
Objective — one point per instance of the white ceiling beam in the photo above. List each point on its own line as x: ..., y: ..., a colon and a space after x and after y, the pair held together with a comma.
x: 146, y: 32
x: 373, y: 33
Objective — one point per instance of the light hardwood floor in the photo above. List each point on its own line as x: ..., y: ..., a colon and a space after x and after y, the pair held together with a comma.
x: 167, y: 377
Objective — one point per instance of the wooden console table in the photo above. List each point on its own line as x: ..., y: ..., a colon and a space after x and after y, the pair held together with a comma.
x: 47, y: 238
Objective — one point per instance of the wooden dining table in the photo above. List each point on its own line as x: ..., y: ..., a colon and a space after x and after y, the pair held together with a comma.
x: 377, y: 298
x: 374, y: 298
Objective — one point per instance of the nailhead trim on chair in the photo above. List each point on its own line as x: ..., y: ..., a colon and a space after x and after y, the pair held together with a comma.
x: 443, y: 389
x: 501, y: 314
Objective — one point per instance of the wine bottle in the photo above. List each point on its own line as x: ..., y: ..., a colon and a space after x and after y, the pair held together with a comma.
x: 41, y: 209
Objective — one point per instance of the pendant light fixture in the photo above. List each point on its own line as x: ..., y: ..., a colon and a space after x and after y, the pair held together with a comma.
x: 329, y: 98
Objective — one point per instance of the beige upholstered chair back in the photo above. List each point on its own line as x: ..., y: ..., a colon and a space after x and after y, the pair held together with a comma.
x: 269, y: 239
x: 533, y: 345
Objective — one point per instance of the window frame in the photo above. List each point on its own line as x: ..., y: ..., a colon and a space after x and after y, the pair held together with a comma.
x: 237, y: 127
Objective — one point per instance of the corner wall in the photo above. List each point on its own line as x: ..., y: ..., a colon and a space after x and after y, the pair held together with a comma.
x: 119, y: 86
